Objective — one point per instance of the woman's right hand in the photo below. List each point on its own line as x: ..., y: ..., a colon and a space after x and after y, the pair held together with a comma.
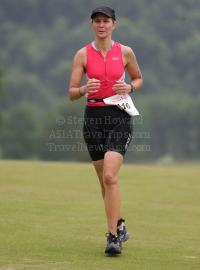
x: 91, y: 84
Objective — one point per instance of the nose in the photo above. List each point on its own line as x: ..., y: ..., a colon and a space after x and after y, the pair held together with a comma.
x: 101, y: 24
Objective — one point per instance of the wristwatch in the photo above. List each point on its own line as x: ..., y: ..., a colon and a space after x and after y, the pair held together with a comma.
x: 132, y: 88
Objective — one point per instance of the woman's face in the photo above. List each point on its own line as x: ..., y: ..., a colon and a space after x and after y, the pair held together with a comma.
x: 102, y: 25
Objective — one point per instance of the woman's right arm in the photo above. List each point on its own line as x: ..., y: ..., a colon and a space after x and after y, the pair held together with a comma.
x: 75, y: 90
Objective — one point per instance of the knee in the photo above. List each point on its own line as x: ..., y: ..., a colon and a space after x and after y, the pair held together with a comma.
x: 109, y: 179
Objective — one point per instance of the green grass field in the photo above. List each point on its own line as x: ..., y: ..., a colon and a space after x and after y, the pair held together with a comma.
x: 52, y: 217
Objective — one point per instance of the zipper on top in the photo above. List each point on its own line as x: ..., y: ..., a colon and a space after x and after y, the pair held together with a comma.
x: 105, y: 70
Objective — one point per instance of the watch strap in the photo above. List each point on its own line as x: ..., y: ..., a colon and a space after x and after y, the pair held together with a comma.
x: 132, y: 88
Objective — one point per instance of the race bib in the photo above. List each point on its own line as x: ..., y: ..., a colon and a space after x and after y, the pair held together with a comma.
x: 124, y: 102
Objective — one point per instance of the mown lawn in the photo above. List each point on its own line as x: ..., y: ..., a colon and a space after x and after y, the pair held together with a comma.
x: 52, y: 217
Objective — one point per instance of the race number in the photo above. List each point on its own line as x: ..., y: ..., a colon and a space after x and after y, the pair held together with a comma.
x: 123, y: 102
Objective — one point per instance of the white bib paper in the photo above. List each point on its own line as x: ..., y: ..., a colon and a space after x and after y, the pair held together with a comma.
x: 124, y: 102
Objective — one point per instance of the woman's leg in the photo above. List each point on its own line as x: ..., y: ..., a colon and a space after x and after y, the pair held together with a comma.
x: 112, y: 163
x: 99, y: 165
x: 99, y: 170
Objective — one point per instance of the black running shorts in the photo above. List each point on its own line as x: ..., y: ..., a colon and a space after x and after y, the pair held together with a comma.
x: 106, y: 129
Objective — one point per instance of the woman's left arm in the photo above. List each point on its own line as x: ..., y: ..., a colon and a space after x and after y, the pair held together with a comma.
x: 130, y: 63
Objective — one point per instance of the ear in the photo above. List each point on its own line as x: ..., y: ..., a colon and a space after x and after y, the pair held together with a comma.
x: 114, y: 24
x: 91, y: 23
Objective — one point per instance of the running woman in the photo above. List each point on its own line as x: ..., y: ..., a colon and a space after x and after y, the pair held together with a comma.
x: 107, y: 129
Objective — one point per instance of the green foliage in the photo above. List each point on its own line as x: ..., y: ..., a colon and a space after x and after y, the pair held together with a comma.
x: 64, y: 141
x: 2, y: 72
x: 2, y: 92
x: 42, y: 41
x: 39, y: 39
x: 19, y: 133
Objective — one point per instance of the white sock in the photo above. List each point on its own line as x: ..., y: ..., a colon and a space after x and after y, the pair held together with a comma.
x: 122, y: 227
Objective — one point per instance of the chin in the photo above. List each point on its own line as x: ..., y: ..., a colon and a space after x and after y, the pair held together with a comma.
x: 102, y: 36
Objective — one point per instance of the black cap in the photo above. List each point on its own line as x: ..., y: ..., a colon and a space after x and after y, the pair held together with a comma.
x: 105, y: 10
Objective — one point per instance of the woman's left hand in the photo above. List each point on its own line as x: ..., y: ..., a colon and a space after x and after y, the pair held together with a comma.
x: 121, y: 88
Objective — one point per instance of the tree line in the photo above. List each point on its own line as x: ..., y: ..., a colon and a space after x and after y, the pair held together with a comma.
x: 38, y: 42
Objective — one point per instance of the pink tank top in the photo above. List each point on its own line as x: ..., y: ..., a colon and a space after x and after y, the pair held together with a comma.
x: 108, y: 71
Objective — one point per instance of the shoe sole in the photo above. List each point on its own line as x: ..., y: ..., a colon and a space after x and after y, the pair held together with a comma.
x: 113, y: 249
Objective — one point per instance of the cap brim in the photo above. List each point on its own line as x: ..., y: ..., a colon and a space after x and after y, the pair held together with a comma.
x: 92, y: 16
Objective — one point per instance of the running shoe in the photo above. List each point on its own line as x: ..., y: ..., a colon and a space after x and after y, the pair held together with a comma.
x: 114, y: 244
x: 123, y: 234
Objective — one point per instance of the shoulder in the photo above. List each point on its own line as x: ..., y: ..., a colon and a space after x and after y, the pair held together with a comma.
x: 80, y: 56
x: 127, y: 54
x: 127, y: 51
x: 81, y: 53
